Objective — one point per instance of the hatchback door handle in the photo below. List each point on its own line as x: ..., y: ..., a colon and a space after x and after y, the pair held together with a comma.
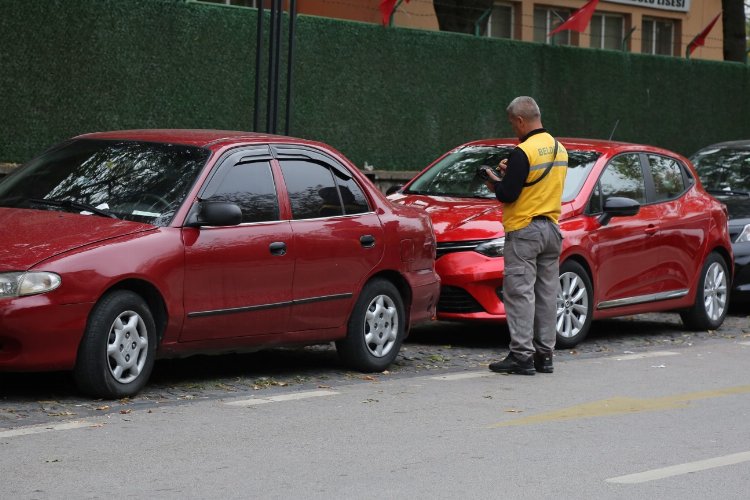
x: 367, y: 240
x: 277, y: 248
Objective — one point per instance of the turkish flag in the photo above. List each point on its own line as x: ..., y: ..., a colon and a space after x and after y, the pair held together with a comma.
x: 701, y: 38
x: 386, y: 9
x: 579, y: 20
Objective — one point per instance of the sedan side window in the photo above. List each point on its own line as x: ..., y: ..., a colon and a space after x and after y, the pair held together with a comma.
x: 623, y: 177
x: 317, y: 190
x: 251, y: 186
x: 667, y: 174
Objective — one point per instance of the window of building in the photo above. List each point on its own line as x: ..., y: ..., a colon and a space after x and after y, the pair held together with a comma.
x: 607, y: 31
x: 545, y: 20
x: 500, y: 22
x: 658, y: 36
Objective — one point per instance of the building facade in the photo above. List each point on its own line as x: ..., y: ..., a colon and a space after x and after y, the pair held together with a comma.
x: 663, y: 27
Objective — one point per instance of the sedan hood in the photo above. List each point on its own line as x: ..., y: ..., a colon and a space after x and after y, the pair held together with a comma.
x: 32, y: 236
x: 458, y: 219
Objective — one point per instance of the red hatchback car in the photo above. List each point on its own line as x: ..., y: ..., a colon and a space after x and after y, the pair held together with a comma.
x: 640, y: 235
x: 119, y: 247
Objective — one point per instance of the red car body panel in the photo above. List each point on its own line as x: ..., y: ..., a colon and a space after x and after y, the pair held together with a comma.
x: 661, y: 249
x: 188, y: 271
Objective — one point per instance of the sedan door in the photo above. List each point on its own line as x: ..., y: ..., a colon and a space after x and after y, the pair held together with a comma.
x: 337, y: 237
x: 238, y: 279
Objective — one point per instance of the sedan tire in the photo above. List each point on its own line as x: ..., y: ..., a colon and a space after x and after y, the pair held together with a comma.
x: 376, y: 328
x: 575, y: 305
x: 711, y: 298
x: 117, y: 352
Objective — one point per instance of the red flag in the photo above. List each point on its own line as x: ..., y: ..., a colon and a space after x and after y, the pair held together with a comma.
x: 386, y: 9
x: 700, y: 40
x: 579, y: 20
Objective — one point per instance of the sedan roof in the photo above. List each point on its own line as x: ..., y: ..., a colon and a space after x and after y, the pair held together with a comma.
x: 192, y: 137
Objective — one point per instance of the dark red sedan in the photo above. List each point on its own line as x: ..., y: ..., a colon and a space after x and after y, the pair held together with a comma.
x: 119, y: 247
x: 640, y: 235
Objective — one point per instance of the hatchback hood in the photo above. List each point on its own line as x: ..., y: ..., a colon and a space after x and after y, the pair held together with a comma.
x: 31, y: 236
x: 458, y: 219
x: 463, y: 219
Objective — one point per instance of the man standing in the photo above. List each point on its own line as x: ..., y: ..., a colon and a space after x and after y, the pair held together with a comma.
x: 531, y: 191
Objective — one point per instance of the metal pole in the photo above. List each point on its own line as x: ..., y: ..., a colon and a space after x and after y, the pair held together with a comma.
x: 270, y: 125
x: 290, y: 57
x: 258, y: 45
x: 277, y: 64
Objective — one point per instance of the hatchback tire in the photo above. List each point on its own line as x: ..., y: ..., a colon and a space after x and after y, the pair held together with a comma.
x: 117, y: 352
x: 376, y: 328
x: 575, y: 305
x: 711, y: 297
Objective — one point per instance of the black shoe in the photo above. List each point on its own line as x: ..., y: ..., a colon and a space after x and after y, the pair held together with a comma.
x: 543, y: 363
x: 511, y: 365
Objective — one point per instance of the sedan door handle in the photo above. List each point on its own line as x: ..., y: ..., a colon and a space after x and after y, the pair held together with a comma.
x: 651, y: 230
x: 367, y: 240
x: 277, y: 248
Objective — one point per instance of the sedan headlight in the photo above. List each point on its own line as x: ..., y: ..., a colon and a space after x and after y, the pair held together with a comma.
x: 19, y: 284
x: 744, y: 236
x: 492, y: 248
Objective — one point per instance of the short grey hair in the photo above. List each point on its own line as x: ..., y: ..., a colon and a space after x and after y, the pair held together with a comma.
x: 525, y: 107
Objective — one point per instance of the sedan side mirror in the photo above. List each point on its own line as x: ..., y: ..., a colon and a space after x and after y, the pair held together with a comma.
x: 618, y: 207
x: 214, y: 213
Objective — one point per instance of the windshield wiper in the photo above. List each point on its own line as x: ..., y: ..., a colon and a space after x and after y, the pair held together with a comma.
x: 74, y: 205
x: 729, y: 193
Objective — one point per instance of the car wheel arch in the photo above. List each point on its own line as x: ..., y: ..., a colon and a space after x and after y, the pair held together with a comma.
x: 401, y: 284
x: 151, y: 295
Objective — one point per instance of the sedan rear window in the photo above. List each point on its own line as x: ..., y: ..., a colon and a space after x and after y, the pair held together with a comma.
x: 131, y: 180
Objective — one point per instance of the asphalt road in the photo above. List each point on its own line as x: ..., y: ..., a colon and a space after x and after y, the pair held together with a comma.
x: 640, y: 410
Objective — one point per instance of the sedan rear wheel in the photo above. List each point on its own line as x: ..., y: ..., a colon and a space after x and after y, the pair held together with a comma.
x: 574, y: 305
x: 376, y: 328
x: 711, y: 297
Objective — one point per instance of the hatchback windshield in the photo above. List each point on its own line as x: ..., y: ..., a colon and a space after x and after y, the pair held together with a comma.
x: 457, y: 175
x: 724, y: 170
x: 138, y: 181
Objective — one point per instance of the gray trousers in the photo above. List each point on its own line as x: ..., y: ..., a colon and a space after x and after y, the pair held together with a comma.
x: 530, y: 287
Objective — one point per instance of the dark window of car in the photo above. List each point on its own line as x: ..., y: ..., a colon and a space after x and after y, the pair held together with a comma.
x: 312, y: 190
x: 623, y: 177
x: 667, y: 174
x: 724, y: 169
x: 351, y: 195
x: 138, y: 181
x: 251, y: 186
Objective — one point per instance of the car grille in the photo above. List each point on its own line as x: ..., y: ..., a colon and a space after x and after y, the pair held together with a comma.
x: 457, y: 300
x: 457, y: 246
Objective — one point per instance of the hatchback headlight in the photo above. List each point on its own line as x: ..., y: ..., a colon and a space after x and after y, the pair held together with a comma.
x: 19, y: 284
x: 492, y: 248
x: 744, y: 236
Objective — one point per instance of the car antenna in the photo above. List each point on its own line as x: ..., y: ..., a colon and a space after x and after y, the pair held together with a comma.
x: 613, y: 130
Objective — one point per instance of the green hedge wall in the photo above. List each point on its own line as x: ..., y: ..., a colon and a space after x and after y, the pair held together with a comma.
x: 394, y: 98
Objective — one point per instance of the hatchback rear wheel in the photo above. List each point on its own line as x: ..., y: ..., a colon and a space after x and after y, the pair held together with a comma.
x: 712, y: 297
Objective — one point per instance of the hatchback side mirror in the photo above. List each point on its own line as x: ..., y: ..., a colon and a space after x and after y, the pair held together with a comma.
x: 214, y: 213
x: 618, y: 207
x: 393, y: 189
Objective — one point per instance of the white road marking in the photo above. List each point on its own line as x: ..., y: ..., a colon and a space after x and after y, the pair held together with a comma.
x: 281, y: 397
x: 462, y: 376
x: 39, y: 429
x: 643, y: 355
x: 678, y: 470
x: 744, y: 343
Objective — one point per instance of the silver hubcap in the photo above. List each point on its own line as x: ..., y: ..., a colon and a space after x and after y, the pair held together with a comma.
x: 381, y: 326
x: 572, y: 305
x: 715, y: 291
x: 127, y: 348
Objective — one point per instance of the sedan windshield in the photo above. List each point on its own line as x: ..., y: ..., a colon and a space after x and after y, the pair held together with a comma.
x: 138, y: 181
x: 724, y: 170
x: 456, y: 175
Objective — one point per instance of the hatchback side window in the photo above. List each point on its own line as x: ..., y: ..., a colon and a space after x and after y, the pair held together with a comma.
x: 251, y: 186
x: 623, y: 177
x: 667, y: 175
